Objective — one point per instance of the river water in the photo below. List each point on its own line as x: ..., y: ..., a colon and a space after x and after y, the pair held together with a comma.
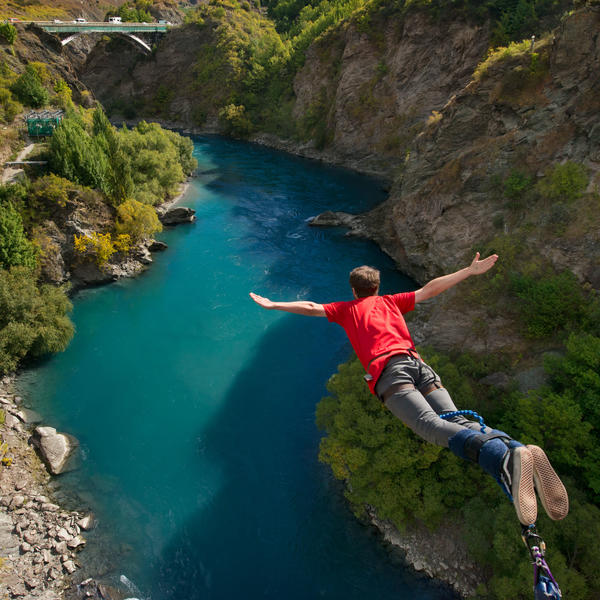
x: 195, y: 408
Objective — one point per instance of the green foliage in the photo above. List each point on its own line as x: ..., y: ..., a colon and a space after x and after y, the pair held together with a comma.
x: 138, y: 221
x: 29, y: 89
x: 246, y: 66
x: 501, y: 54
x: 159, y: 161
x: 33, y: 320
x: 76, y: 154
x: 146, y: 163
x: 565, y: 182
x: 234, y: 121
x: 9, y: 32
x: 9, y: 107
x: 549, y: 304
x: 134, y: 12
x: 15, y: 248
x: 162, y: 99
x: 63, y: 94
x: 516, y: 185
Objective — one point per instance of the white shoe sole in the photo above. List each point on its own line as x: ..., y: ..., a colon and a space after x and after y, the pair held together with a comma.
x: 523, y: 491
x: 550, y: 489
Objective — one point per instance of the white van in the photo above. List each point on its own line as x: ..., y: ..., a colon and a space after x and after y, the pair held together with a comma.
x: 114, y: 19
x: 80, y: 20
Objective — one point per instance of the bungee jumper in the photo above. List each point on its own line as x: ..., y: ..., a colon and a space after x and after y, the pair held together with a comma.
x: 414, y: 393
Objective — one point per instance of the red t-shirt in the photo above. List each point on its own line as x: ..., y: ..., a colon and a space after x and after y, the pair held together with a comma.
x: 375, y: 327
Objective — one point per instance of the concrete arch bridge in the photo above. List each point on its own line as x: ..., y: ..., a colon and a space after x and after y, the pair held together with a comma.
x: 133, y: 31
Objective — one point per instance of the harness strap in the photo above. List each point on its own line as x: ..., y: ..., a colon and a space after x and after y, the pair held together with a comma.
x: 394, y: 389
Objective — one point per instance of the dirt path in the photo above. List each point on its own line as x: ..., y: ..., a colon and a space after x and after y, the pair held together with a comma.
x: 10, y: 174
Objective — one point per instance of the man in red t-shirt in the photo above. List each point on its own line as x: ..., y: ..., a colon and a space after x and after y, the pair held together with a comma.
x: 413, y: 392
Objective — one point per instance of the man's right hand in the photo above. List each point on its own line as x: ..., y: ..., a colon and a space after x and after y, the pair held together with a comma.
x: 264, y: 302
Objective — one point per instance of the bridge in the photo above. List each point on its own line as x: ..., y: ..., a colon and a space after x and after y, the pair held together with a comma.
x: 127, y: 29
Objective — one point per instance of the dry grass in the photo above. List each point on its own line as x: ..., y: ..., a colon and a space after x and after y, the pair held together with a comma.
x: 43, y: 10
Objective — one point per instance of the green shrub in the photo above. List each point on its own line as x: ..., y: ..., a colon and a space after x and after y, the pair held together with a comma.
x: 159, y: 161
x: 565, y: 182
x: 29, y: 90
x: 516, y: 185
x: 234, y: 120
x: 33, y: 320
x: 9, y: 32
x: 549, y: 304
x: 138, y: 221
x: 63, y: 94
x: 15, y: 248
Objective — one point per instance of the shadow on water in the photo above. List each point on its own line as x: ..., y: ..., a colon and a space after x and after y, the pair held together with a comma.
x: 277, y: 527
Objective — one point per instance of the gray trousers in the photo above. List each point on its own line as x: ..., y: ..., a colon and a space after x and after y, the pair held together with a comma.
x: 417, y: 411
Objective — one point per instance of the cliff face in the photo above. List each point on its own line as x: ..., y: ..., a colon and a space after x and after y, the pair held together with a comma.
x: 380, y: 86
x: 444, y: 204
x: 160, y: 86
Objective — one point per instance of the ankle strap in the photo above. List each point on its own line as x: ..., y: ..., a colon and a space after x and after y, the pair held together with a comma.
x: 475, y: 442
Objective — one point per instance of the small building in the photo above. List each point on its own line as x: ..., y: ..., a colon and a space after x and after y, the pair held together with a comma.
x: 43, y: 122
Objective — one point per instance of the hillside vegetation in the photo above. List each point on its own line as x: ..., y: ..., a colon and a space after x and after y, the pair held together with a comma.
x: 93, y: 205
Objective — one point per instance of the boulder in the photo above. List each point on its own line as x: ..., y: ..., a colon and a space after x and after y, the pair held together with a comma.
x: 157, y: 246
x: 87, y: 522
x: 29, y: 417
x: 176, y: 215
x: 56, y: 449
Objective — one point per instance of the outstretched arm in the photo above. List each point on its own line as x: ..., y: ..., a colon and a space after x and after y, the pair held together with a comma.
x: 300, y: 307
x: 441, y: 284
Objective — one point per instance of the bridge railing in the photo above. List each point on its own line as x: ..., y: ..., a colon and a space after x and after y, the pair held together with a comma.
x: 102, y: 26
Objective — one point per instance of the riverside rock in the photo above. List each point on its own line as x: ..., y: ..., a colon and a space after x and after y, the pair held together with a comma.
x: 177, y: 215
x: 56, y: 449
x: 157, y: 246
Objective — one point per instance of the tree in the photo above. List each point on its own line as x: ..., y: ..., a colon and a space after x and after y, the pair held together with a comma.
x: 77, y: 156
x: 33, y: 320
x: 9, y: 32
x: 28, y: 88
x: 15, y: 248
x: 137, y: 220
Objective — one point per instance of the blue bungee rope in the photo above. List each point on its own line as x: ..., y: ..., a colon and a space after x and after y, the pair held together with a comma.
x: 470, y: 413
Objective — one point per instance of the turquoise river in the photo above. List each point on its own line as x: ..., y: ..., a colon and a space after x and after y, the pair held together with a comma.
x: 195, y: 408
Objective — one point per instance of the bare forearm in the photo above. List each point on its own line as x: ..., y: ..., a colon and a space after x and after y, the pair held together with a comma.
x: 441, y: 284
x: 299, y: 307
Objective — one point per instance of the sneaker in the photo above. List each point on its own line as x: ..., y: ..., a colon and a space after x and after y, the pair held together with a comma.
x: 548, y: 485
x: 518, y: 477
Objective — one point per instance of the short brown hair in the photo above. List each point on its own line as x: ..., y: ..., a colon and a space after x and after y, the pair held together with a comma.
x: 364, y: 281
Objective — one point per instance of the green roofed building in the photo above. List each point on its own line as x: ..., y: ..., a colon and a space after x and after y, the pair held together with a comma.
x: 43, y: 122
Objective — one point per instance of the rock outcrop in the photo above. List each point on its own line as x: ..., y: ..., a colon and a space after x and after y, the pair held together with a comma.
x: 56, y: 449
x: 177, y: 215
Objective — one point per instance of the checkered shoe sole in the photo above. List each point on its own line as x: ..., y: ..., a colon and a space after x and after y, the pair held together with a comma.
x: 520, y: 466
x: 550, y: 489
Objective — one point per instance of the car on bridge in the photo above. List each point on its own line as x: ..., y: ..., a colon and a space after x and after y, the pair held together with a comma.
x: 80, y: 20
